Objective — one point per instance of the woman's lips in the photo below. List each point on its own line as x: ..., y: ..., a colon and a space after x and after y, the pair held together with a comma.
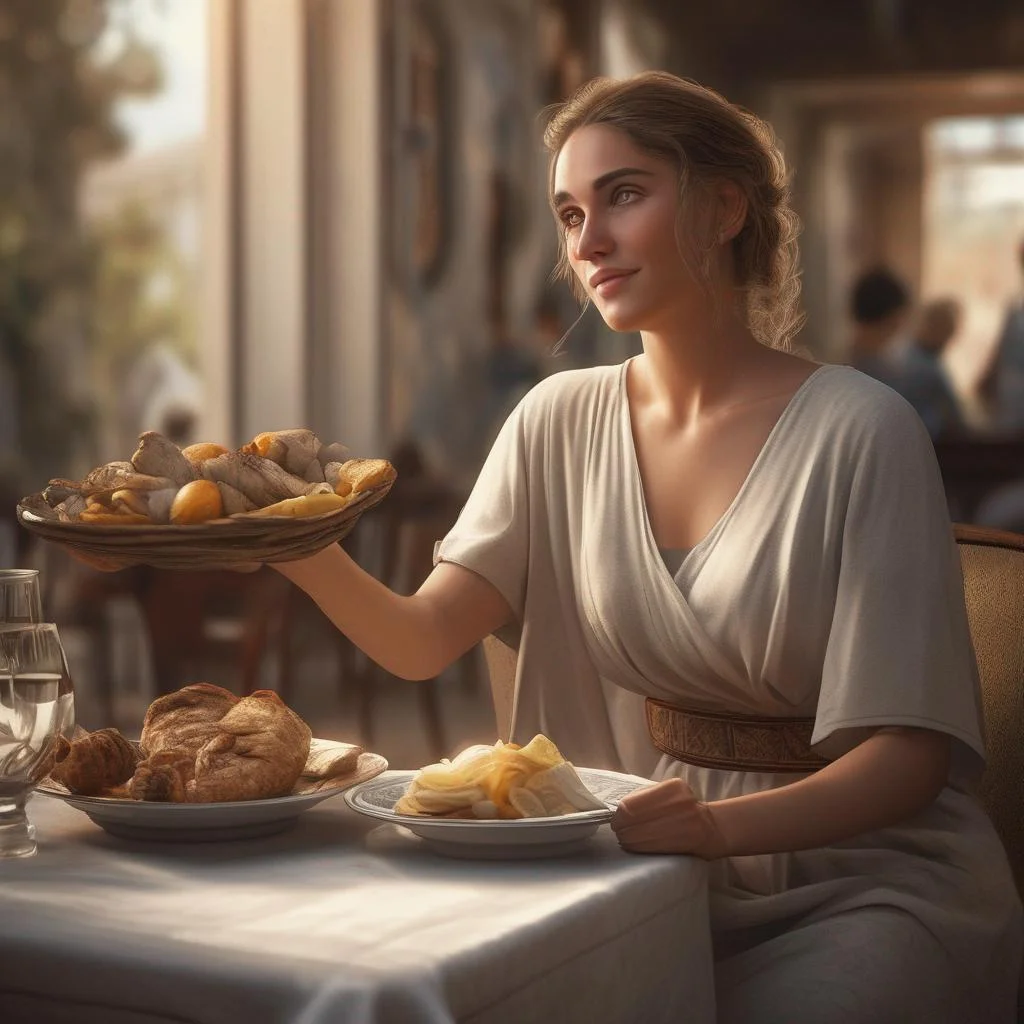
x: 611, y: 285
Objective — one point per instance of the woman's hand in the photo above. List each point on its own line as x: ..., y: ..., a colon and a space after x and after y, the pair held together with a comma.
x: 667, y: 818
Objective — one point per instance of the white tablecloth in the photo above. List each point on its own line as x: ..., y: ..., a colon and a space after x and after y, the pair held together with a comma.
x: 340, y: 922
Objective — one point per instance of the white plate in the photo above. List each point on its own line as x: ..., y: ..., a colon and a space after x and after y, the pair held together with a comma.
x: 517, y: 838
x: 198, y: 823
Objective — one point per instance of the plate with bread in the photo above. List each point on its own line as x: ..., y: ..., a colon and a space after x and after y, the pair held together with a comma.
x: 208, y: 766
x: 281, y: 496
x: 498, y: 802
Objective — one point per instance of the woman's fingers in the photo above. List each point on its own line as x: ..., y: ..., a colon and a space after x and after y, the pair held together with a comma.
x: 652, y: 801
x: 667, y: 818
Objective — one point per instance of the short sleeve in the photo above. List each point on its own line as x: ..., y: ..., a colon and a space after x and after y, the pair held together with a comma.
x: 491, y: 537
x: 899, y: 649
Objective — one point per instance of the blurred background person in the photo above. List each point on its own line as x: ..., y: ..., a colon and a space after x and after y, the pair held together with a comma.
x: 1002, y: 385
x: 922, y: 378
x: 879, y: 308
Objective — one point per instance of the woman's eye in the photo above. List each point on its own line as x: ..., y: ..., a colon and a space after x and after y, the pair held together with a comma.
x: 624, y: 195
x: 572, y: 218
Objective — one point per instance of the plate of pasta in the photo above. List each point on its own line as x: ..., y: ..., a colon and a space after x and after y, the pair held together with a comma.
x: 497, y: 802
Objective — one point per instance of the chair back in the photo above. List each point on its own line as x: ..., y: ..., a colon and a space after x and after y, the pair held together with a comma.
x: 993, y: 571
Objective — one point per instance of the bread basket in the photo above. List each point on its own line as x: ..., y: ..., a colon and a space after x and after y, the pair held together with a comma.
x: 220, y: 543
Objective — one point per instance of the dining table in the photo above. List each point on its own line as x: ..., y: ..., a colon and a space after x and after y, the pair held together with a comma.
x: 343, y: 920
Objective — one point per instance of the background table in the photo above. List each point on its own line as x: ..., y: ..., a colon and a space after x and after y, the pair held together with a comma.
x: 341, y: 921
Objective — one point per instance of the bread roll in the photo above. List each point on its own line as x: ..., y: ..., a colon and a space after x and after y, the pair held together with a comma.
x: 197, y: 502
x: 199, y: 453
x: 365, y: 474
x: 293, y: 450
x: 158, y: 456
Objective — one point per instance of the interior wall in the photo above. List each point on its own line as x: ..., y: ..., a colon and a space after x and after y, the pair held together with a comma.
x: 855, y: 149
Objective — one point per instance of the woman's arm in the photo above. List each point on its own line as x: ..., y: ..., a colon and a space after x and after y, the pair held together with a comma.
x: 882, y: 781
x: 413, y: 637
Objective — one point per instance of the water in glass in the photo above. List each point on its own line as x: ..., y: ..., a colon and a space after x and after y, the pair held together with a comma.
x: 36, y: 707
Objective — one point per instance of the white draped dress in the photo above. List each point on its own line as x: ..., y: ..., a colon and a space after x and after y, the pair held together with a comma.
x: 830, y: 588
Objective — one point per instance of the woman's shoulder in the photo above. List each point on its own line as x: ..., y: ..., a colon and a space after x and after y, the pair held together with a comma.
x: 854, y: 404
x: 566, y: 391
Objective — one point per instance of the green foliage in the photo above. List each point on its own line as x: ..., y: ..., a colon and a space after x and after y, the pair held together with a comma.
x: 56, y: 116
x: 139, y: 284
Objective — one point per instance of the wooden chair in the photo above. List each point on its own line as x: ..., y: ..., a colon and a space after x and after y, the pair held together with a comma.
x: 993, y: 570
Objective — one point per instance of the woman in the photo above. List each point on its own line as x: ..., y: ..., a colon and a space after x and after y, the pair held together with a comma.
x: 722, y: 526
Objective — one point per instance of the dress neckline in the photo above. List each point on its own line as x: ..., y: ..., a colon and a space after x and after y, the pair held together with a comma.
x: 755, y: 468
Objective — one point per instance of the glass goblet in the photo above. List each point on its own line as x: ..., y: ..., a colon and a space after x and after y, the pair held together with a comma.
x: 19, y: 596
x: 36, y: 708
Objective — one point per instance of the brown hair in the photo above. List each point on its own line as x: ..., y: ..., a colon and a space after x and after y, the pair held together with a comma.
x: 707, y: 139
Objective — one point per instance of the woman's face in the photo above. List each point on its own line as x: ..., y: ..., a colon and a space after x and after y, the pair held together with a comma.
x: 617, y: 207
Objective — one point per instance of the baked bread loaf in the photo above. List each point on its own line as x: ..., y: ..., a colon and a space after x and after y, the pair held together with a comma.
x: 186, y: 720
x: 259, y: 752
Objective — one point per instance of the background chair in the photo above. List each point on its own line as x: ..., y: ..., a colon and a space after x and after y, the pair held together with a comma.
x: 993, y: 570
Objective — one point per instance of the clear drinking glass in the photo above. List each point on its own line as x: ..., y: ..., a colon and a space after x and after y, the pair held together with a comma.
x: 36, y: 707
x: 19, y: 596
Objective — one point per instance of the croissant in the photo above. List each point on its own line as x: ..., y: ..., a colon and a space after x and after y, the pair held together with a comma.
x: 233, y: 499
x: 99, y: 760
x: 185, y: 720
x: 108, y: 477
x: 259, y: 752
x: 158, y: 456
x: 293, y: 450
x: 263, y: 482
x: 155, y: 505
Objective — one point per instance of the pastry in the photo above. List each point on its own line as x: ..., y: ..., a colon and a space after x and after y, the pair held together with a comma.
x: 365, y: 474
x: 95, y: 762
x: 185, y: 720
x: 263, y: 482
x: 233, y: 499
x: 259, y: 752
x: 306, y: 505
x: 163, y: 778
x: 197, y: 454
x: 293, y: 450
x: 197, y: 502
x: 155, y: 505
x: 158, y: 456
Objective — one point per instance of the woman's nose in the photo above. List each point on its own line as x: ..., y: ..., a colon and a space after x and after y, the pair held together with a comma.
x: 592, y: 240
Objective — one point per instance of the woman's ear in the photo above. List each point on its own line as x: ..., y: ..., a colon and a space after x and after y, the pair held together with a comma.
x: 731, y: 209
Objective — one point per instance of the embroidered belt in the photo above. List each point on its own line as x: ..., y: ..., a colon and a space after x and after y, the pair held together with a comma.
x: 745, y: 743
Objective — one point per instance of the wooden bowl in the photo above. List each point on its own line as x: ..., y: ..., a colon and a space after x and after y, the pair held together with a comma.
x: 218, y: 544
